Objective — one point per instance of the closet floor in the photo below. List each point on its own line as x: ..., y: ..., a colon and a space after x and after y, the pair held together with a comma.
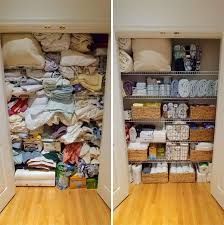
x: 50, y: 206
x: 169, y: 204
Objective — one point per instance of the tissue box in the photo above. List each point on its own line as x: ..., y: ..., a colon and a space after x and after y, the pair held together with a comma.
x: 77, y: 182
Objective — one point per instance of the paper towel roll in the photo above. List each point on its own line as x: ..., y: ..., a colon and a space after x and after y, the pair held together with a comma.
x: 130, y: 173
x: 137, y: 173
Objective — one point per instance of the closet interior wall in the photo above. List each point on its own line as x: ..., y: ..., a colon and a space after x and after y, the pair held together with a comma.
x: 209, y: 70
x: 55, y: 106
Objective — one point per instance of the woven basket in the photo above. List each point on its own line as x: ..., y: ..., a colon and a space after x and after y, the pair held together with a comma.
x: 148, y: 178
x: 202, y: 112
x: 197, y: 155
x: 182, y: 177
x: 137, y: 155
x: 146, y: 112
x: 202, y: 134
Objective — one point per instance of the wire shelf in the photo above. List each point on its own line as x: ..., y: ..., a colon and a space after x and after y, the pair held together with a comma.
x: 167, y: 161
x: 187, y: 141
x: 173, y: 73
x: 169, y: 97
x: 162, y: 120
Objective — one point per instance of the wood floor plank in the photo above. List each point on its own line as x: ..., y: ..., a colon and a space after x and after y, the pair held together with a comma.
x: 50, y: 206
x: 169, y: 204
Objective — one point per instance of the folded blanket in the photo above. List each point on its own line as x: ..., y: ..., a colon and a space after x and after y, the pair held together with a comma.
x: 91, y: 82
x: 41, y: 163
x: 74, y: 58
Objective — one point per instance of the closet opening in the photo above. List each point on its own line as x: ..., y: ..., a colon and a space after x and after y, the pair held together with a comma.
x: 55, y: 85
x: 169, y: 101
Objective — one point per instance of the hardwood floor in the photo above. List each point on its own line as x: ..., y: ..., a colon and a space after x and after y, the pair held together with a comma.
x: 169, y: 204
x: 50, y: 206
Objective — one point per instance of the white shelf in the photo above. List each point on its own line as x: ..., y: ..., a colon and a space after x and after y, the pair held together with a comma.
x: 166, y: 160
x: 168, y: 97
x: 162, y: 120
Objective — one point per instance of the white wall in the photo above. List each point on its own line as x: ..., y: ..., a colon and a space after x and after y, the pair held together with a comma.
x: 70, y: 10
x: 194, y: 14
x: 84, y: 15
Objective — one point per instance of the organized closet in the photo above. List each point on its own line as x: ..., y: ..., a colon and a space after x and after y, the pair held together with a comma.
x: 169, y: 88
x: 55, y: 85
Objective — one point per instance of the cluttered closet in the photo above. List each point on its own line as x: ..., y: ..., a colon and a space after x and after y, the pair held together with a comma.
x: 169, y: 86
x: 54, y: 84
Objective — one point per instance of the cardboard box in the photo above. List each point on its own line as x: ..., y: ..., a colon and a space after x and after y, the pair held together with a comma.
x: 77, y: 182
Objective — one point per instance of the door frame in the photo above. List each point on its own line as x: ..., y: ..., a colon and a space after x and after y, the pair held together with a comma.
x: 6, y: 162
x: 217, y: 180
x: 120, y: 153
x: 104, y: 185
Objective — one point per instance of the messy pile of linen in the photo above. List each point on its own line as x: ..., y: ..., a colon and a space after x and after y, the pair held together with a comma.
x: 42, y: 102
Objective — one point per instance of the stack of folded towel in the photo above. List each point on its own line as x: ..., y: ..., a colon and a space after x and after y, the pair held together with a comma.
x: 204, y: 146
x: 181, y: 168
x: 140, y: 89
x: 156, y: 168
x: 153, y: 136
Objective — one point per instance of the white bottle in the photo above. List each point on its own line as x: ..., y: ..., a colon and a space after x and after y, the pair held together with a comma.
x: 132, y: 134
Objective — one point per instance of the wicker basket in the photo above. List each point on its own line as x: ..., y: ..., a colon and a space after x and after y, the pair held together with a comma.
x: 197, y: 155
x: 182, y: 177
x: 137, y: 155
x: 146, y: 112
x: 202, y: 112
x: 202, y: 134
x: 148, y: 178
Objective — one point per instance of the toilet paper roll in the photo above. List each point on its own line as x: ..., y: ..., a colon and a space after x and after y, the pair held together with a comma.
x: 203, y: 168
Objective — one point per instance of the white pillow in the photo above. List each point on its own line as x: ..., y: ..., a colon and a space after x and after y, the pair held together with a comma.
x: 74, y: 58
x: 125, y: 44
x: 152, y: 55
x: 126, y: 62
x: 22, y: 50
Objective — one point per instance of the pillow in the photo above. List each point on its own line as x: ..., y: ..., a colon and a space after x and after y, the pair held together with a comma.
x: 125, y: 44
x: 74, y: 58
x: 22, y: 50
x: 152, y: 55
x: 126, y: 62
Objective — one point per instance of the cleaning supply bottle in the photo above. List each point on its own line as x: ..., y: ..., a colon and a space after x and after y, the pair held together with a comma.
x: 132, y: 134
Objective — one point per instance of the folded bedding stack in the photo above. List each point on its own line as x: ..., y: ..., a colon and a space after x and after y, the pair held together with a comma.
x: 159, y: 136
x: 140, y: 89
x: 156, y: 168
x: 204, y: 146
x: 153, y: 136
x: 137, y: 146
x: 27, y: 177
x: 181, y: 168
x: 44, y: 74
